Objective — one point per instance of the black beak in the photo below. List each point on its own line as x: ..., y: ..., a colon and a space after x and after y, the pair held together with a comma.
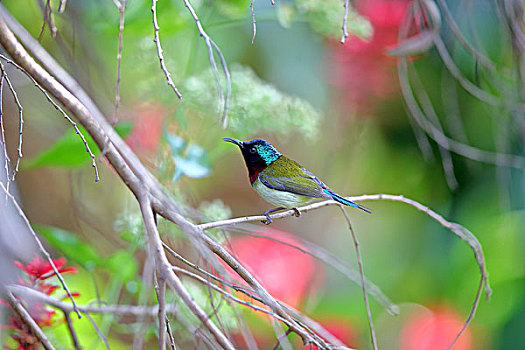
x: 237, y: 142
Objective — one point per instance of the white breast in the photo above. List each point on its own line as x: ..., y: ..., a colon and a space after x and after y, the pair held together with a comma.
x: 280, y: 198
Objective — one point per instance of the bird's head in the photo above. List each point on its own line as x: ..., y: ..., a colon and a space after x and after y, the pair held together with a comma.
x: 258, y: 154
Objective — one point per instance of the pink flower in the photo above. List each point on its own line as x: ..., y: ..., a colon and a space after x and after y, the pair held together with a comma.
x: 286, y: 272
x: 435, y: 330
x: 147, y: 129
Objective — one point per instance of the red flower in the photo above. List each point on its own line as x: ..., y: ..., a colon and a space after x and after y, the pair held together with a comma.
x: 37, y: 271
x: 435, y: 329
x: 287, y: 273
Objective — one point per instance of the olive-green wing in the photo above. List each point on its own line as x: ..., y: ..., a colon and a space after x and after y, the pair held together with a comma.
x: 299, y: 181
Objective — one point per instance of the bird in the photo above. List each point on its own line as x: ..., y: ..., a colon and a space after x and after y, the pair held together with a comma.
x: 281, y: 181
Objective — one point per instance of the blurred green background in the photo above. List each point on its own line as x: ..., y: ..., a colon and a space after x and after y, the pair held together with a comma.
x: 336, y: 109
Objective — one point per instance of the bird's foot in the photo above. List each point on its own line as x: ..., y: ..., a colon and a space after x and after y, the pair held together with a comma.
x: 268, y: 220
x: 297, y: 212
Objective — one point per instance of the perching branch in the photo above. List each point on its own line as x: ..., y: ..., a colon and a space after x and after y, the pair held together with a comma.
x: 460, y: 231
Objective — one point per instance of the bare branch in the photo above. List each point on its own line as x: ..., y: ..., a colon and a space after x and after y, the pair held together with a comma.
x: 362, y: 275
x: 253, y: 21
x: 331, y: 260
x: 483, y: 60
x: 59, y: 109
x: 72, y: 332
x: 457, y: 229
x: 446, y: 159
x: 20, y: 121
x: 41, y: 247
x: 62, y: 6
x: 159, y: 49
x: 121, y: 5
x: 160, y: 289
x: 210, y: 44
x: 97, y: 329
x: 2, y: 131
x: 164, y: 271
x: 467, y: 151
x: 117, y: 310
x: 28, y: 320
x: 345, y: 21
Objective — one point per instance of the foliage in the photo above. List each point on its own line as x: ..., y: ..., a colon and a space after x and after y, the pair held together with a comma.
x: 255, y: 107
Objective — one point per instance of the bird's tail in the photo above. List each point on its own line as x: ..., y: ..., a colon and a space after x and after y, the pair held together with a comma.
x: 345, y: 201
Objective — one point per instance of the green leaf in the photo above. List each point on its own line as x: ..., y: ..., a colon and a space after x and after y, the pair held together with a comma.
x: 69, y: 150
x: 69, y: 245
x: 122, y: 264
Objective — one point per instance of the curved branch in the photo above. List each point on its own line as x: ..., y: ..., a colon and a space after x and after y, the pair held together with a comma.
x: 457, y: 229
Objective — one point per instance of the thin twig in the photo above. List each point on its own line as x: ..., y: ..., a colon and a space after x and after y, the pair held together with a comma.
x: 48, y: 19
x: 470, y: 315
x: 62, y: 6
x: 281, y: 338
x: 465, y: 150
x: 41, y: 248
x: 345, y: 23
x: 483, y: 60
x: 446, y: 158
x: 143, y: 299
x: 117, y: 310
x: 163, y: 268
x: 362, y: 275
x: 160, y: 289
x: 122, y: 8
x: 228, y: 295
x: 457, y: 229
x: 20, y: 122
x: 253, y: 21
x: 267, y: 298
x: 58, y: 108
x: 331, y: 260
x: 156, y: 39
x: 211, y: 45
x: 28, y: 320
x: 72, y: 332
x: 170, y: 335
x: 97, y: 329
x: 2, y: 131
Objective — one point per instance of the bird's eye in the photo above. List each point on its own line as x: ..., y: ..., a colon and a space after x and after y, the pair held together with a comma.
x: 253, y: 150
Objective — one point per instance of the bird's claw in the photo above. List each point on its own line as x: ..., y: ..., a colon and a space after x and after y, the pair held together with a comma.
x: 297, y: 212
x: 268, y: 220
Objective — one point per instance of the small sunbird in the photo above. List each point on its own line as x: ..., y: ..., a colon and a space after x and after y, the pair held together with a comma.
x: 282, y: 181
